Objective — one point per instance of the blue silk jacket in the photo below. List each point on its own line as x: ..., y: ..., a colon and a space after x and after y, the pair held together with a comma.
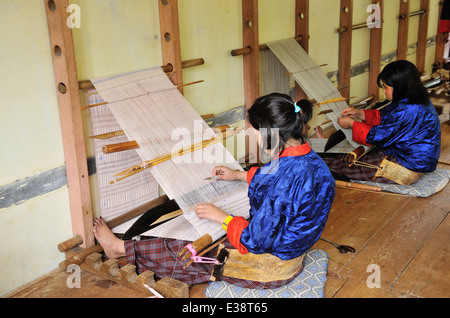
x: 290, y: 200
x: 412, y: 133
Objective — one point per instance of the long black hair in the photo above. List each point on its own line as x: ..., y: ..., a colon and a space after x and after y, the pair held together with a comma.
x: 404, y: 77
x: 279, y: 119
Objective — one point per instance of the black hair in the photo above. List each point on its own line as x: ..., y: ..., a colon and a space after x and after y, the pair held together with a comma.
x: 278, y: 112
x: 404, y: 77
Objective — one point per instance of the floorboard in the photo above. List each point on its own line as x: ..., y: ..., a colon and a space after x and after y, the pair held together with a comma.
x: 406, y: 237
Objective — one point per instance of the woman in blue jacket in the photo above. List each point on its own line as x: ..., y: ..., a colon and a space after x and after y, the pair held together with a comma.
x: 291, y: 196
x: 290, y: 199
x: 407, y: 131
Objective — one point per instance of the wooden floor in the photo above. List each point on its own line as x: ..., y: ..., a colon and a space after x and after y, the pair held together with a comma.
x: 406, y: 238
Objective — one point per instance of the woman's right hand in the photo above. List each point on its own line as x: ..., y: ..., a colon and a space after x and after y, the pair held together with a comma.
x: 224, y: 173
x: 353, y: 113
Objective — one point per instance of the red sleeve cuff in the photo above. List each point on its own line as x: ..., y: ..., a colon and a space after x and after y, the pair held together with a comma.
x: 373, y: 117
x: 235, y: 229
x: 251, y: 174
x: 360, y: 131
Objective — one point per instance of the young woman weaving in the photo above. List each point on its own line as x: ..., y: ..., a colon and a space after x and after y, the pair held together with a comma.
x: 407, y: 131
x: 290, y: 199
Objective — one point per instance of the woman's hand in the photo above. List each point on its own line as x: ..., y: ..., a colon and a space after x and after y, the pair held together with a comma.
x: 224, y: 173
x: 354, y: 113
x: 211, y: 212
x: 346, y: 122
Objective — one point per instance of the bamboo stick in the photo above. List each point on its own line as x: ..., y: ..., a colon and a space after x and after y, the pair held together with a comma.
x: 333, y: 100
x: 123, y: 146
x: 105, y: 103
x: 109, y: 135
x: 122, y: 133
x: 129, y: 145
x: 346, y: 184
x: 150, y: 163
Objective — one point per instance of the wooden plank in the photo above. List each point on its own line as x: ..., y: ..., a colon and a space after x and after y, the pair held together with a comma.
x: 360, y: 223
x: 302, y: 29
x: 403, y: 29
x: 252, y: 60
x: 170, y: 39
x: 441, y: 41
x: 395, y: 244
x: 376, y: 42
x: 54, y: 285
x: 252, y: 87
x: 345, y: 46
x: 422, y: 36
x: 66, y: 80
x: 427, y: 274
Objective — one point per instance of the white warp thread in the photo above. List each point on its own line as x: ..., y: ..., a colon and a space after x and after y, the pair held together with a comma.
x: 152, y: 111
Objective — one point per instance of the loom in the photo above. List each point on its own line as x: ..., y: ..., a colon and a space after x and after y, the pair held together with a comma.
x: 118, y: 160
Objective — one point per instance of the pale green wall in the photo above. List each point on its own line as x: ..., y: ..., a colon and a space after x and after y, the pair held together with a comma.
x: 119, y: 36
x: 30, y: 139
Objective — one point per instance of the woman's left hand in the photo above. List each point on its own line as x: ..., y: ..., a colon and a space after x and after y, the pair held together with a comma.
x: 346, y: 122
x: 211, y: 212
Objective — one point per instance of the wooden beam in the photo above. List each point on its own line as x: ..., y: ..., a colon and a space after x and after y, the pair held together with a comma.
x: 441, y: 41
x: 376, y: 40
x: 302, y: 30
x: 66, y: 80
x: 403, y: 28
x: 170, y: 39
x: 422, y: 36
x: 252, y: 89
x: 252, y: 60
x: 345, y: 46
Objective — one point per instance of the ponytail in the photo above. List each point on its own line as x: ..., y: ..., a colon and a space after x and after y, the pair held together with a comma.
x: 278, y: 111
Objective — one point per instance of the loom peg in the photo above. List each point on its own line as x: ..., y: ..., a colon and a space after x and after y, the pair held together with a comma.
x: 80, y: 258
x: 412, y: 14
x: 130, y: 145
x: 70, y: 243
x: 123, y: 146
x: 248, y: 50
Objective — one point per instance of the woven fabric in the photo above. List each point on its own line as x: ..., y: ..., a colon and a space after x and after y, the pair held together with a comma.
x: 309, y: 284
x: 429, y: 184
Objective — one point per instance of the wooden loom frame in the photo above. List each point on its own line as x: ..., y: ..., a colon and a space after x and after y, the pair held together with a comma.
x: 63, y: 56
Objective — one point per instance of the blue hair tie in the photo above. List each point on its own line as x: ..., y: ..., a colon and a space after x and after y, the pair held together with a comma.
x: 297, y: 108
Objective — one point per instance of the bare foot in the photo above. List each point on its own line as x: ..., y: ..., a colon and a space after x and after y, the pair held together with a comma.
x: 112, y: 245
x: 319, y: 132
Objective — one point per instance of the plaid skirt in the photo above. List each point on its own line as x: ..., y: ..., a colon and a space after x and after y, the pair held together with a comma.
x: 341, y: 170
x: 160, y: 255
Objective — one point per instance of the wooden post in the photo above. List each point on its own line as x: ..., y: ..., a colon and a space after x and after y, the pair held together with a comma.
x: 170, y: 39
x: 66, y: 79
x: 345, y: 46
x: 403, y: 28
x: 252, y: 89
x: 376, y: 40
x: 251, y: 61
x: 302, y: 30
x: 441, y: 41
x: 422, y: 37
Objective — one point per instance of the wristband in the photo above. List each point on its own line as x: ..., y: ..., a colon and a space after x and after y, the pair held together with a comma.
x: 227, y: 221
